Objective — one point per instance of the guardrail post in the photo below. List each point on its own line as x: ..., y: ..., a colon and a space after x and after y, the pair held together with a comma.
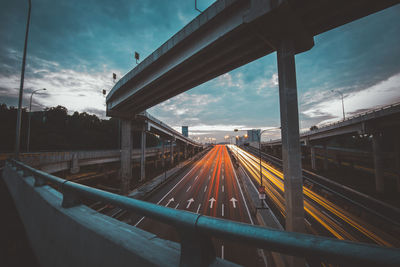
x: 197, y: 249
x: 313, y: 162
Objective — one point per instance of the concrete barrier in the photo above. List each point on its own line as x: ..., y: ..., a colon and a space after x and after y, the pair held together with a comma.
x: 80, y: 236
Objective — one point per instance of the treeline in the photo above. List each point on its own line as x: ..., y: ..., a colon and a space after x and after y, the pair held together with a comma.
x: 54, y: 130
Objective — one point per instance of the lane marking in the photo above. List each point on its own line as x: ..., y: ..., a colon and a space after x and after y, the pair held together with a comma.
x: 209, y: 177
x: 169, y: 191
x: 177, y: 205
x: 212, y: 200
x: 196, y: 177
x: 234, y: 200
x: 223, y: 177
x: 223, y: 188
x: 205, y: 188
x: 188, y: 188
x: 190, y: 201
x: 198, y: 208
x: 222, y: 252
x: 240, y: 189
x: 222, y: 210
x: 169, y: 201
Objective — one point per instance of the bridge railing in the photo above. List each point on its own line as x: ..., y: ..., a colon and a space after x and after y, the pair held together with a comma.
x: 196, y: 230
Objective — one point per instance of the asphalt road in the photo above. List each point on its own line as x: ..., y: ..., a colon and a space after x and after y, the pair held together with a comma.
x: 211, y: 188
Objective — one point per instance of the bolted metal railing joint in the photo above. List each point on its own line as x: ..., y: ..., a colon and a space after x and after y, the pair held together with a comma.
x: 70, y: 197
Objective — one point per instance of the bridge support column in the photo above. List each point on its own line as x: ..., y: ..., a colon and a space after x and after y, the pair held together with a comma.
x: 397, y: 159
x: 163, y: 154
x: 143, y: 155
x: 378, y: 162
x: 171, y: 152
x: 178, y: 150
x: 313, y: 162
x: 291, y: 153
x: 326, y: 163
x: 126, y: 155
x: 185, y: 152
x: 74, y: 164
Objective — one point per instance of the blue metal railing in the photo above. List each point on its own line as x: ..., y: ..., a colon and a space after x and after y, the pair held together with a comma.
x: 196, y: 230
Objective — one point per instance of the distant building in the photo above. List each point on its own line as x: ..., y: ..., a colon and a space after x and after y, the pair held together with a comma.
x: 185, y: 131
x: 253, y: 135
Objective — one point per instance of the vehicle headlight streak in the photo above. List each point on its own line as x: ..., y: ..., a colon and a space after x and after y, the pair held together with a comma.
x: 274, y: 177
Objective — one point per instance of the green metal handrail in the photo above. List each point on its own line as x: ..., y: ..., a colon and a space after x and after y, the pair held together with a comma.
x: 196, y: 230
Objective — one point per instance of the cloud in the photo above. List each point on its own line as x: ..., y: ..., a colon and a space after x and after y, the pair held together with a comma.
x: 326, y: 106
x: 76, y: 90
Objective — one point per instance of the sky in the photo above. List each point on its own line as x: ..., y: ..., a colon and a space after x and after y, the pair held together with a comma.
x: 75, y: 46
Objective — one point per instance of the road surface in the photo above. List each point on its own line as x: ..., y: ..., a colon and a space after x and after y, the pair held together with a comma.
x: 211, y: 188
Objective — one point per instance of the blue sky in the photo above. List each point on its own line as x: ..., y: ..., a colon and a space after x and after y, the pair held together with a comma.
x: 75, y: 46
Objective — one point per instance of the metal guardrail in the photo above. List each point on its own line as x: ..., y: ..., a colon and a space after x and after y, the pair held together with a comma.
x: 196, y: 230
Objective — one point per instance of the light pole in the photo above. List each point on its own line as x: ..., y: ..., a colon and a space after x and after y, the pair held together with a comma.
x: 259, y: 149
x: 342, y: 97
x: 21, y: 88
x: 29, y: 121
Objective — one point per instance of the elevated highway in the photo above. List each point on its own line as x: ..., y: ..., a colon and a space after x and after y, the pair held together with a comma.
x: 379, y: 127
x: 227, y: 35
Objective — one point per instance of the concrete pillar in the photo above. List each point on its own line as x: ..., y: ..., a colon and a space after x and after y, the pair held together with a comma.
x: 163, y: 154
x: 185, y: 152
x: 397, y: 159
x: 326, y: 163
x: 74, y: 164
x: 143, y: 156
x: 378, y: 162
x: 291, y: 153
x: 171, y: 152
x: 313, y: 161
x: 126, y: 155
x: 178, y: 150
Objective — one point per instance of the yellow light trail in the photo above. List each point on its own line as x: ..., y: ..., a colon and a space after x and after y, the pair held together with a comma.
x: 275, y: 177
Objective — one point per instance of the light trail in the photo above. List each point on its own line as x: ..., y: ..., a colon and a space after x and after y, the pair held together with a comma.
x: 313, y: 202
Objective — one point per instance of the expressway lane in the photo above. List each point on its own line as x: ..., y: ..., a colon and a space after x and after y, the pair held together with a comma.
x: 210, y: 188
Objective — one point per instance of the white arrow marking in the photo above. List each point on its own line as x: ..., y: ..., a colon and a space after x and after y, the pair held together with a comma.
x: 188, y: 188
x: 190, y: 201
x: 234, y: 200
x: 169, y: 201
x: 212, y: 200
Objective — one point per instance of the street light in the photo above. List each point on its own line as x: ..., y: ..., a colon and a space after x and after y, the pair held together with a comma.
x: 21, y: 88
x: 259, y: 149
x: 29, y: 121
x: 341, y: 95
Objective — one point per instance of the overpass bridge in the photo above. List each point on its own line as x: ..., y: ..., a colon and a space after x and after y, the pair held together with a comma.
x: 380, y: 125
x: 227, y: 35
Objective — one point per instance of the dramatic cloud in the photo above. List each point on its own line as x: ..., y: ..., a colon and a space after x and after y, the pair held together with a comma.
x: 75, y: 46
